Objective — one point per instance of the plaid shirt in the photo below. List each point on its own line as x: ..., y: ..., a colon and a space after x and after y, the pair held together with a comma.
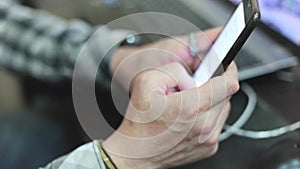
x: 46, y: 47
x: 84, y: 157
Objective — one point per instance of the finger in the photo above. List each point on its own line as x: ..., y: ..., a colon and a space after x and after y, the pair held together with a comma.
x: 219, y: 129
x: 204, y: 41
x: 208, y: 122
x: 193, y: 149
x: 199, y: 100
x: 232, y: 71
x: 210, y: 134
x: 212, y: 34
x: 215, y: 90
x: 183, y: 80
x: 200, y: 151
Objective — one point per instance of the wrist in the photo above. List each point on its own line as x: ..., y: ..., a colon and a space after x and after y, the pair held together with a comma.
x: 130, y: 45
x: 122, y: 162
x: 119, y: 56
x: 122, y: 67
x: 124, y: 49
x: 114, y: 147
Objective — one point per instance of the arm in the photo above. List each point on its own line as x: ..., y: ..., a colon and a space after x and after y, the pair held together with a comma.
x: 126, y: 62
x: 42, y: 45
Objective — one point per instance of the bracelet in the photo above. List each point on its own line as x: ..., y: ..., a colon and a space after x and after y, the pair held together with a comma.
x: 107, y: 160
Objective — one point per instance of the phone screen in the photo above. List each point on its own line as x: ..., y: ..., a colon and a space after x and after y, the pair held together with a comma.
x: 221, y: 46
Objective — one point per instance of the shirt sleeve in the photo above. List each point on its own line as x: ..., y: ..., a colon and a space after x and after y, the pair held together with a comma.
x: 44, y: 46
x: 84, y: 157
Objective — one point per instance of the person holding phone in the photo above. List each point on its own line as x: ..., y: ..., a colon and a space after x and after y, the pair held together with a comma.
x: 170, y: 90
x: 117, y: 152
x: 172, y: 81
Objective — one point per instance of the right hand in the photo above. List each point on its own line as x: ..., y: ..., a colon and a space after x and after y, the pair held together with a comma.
x: 162, y: 127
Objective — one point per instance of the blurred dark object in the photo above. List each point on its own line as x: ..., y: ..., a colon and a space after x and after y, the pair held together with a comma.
x: 29, y: 141
x: 282, y: 155
x: 93, y: 11
x: 48, y: 128
x: 29, y: 3
x: 11, y: 93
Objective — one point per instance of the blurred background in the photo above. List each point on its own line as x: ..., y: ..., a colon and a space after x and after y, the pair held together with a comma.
x: 37, y: 118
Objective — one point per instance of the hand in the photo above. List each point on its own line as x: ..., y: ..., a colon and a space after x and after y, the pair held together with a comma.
x: 165, y: 128
x: 128, y: 61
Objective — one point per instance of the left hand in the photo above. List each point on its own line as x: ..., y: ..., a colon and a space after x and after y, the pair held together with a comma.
x: 127, y: 62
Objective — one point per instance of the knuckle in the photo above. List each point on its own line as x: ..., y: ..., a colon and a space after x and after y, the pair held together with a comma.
x: 208, y: 128
x: 205, y: 128
x: 205, y: 104
x: 233, y: 85
x: 213, y: 140
x: 189, y: 113
x: 173, y: 68
x: 141, y: 78
x: 177, y: 65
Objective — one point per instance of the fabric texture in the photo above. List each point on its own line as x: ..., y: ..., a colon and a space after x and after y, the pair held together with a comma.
x: 84, y: 157
x: 46, y: 47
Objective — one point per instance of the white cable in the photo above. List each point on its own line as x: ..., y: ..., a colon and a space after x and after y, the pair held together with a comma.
x: 252, y: 101
x: 236, y: 127
x: 264, y: 134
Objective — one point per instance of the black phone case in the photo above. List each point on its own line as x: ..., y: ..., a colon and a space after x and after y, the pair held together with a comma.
x: 252, y: 17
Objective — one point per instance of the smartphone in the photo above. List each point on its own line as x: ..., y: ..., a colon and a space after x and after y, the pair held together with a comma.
x: 231, y: 39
